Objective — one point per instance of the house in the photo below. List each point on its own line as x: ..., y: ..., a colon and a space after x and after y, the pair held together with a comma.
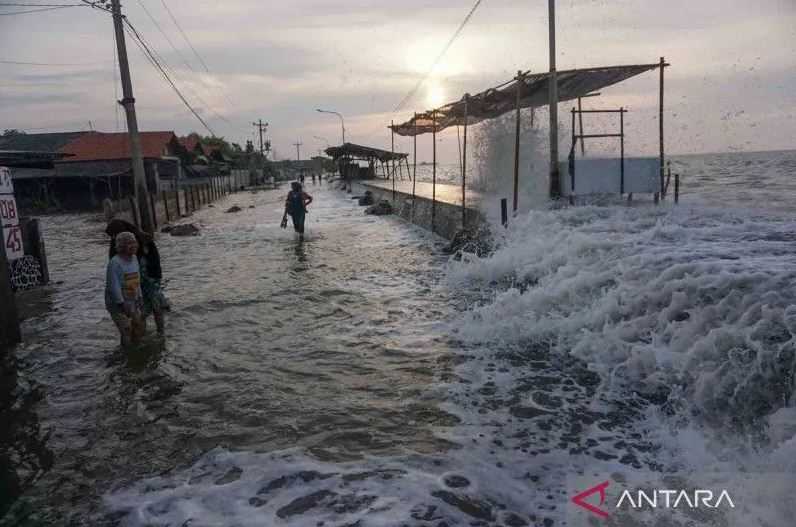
x: 88, y: 167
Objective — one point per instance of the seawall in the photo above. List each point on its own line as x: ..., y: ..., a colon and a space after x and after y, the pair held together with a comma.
x: 446, y: 218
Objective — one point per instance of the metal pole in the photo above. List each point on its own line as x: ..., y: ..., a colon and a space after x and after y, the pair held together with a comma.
x: 555, y: 187
x: 464, y: 164
x: 517, y: 144
x: 660, y: 122
x: 580, y: 118
x: 128, y: 102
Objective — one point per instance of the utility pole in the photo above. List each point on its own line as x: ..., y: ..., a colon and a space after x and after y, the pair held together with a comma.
x: 261, y: 127
x: 298, y: 149
x: 143, y: 209
x: 555, y: 186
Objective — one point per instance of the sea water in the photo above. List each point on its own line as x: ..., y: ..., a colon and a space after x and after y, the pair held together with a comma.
x: 364, y: 378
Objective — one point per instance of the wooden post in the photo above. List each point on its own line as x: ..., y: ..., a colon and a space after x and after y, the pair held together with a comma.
x: 660, y: 121
x: 504, y: 212
x: 134, y: 211
x: 193, y: 198
x: 177, y: 201
x: 35, y: 247
x: 572, y: 155
x: 621, y: 150
x: 677, y: 188
x: 464, y: 163
x: 414, y: 162
x: 555, y: 182
x: 434, y: 168
x: 10, y: 333
x: 517, y: 144
x: 154, y: 211
x: 392, y: 149
x: 580, y: 118
x: 165, y: 198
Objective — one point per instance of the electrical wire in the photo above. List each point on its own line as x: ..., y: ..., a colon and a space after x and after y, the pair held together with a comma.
x: 29, y: 11
x: 196, y: 95
x: 154, y: 61
x: 420, y: 83
x: 196, y: 53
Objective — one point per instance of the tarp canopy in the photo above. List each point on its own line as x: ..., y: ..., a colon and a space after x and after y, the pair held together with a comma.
x: 363, y: 152
x: 534, y: 92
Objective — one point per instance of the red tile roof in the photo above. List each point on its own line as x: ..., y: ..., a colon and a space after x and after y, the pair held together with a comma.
x: 96, y: 146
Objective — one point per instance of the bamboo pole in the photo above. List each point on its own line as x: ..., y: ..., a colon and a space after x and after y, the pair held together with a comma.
x: 519, y: 78
x: 464, y: 164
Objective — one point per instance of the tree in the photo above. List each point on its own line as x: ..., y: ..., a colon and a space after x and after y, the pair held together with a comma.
x: 9, y: 132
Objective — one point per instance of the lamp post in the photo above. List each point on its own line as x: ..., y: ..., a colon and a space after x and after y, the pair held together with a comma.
x: 342, y: 121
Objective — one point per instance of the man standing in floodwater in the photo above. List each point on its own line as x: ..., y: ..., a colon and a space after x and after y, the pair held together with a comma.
x: 123, y: 298
x: 296, y: 205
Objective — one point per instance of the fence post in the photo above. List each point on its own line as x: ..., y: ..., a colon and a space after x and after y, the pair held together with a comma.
x: 165, y: 199
x: 34, y: 246
x: 677, y: 188
x: 154, y: 210
x: 177, y: 202
x: 9, y: 317
x: 504, y: 212
x: 193, y: 199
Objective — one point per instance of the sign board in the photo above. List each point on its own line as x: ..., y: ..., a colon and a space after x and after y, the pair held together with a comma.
x: 603, y: 176
x: 9, y: 217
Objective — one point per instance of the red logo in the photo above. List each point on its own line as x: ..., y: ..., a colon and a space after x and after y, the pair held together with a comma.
x: 580, y: 499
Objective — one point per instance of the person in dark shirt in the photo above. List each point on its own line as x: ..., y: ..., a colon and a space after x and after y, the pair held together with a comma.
x: 296, y: 205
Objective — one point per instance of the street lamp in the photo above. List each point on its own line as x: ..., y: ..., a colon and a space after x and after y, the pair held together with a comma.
x: 342, y: 122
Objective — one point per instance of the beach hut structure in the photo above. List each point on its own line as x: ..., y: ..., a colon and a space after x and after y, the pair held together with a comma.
x: 532, y: 90
x: 347, y: 155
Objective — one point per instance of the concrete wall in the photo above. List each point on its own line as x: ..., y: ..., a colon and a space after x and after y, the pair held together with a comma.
x: 447, y: 217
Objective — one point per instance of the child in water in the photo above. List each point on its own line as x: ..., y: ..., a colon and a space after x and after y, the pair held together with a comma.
x: 296, y: 205
x: 123, y: 298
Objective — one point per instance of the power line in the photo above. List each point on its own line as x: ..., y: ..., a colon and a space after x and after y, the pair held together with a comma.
x: 148, y: 52
x: 196, y: 53
x: 20, y: 63
x: 196, y: 95
x: 439, y: 57
x: 53, y: 8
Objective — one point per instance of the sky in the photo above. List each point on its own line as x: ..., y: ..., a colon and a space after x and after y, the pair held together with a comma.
x: 731, y: 85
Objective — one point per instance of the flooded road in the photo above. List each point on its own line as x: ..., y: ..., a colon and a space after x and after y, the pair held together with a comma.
x: 326, y: 345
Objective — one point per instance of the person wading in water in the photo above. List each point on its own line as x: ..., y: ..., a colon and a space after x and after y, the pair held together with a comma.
x: 296, y: 205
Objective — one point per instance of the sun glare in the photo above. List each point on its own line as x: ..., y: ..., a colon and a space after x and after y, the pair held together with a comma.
x: 435, y: 95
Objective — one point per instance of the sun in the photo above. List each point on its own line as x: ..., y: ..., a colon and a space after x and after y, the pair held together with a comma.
x: 435, y: 95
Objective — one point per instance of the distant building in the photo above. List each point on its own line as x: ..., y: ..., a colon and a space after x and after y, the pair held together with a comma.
x: 77, y: 170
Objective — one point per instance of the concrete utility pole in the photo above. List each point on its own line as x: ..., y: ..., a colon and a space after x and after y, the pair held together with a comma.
x: 261, y: 127
x: 143, y: 209
x: 555, y: 186
x: 298, y: 149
